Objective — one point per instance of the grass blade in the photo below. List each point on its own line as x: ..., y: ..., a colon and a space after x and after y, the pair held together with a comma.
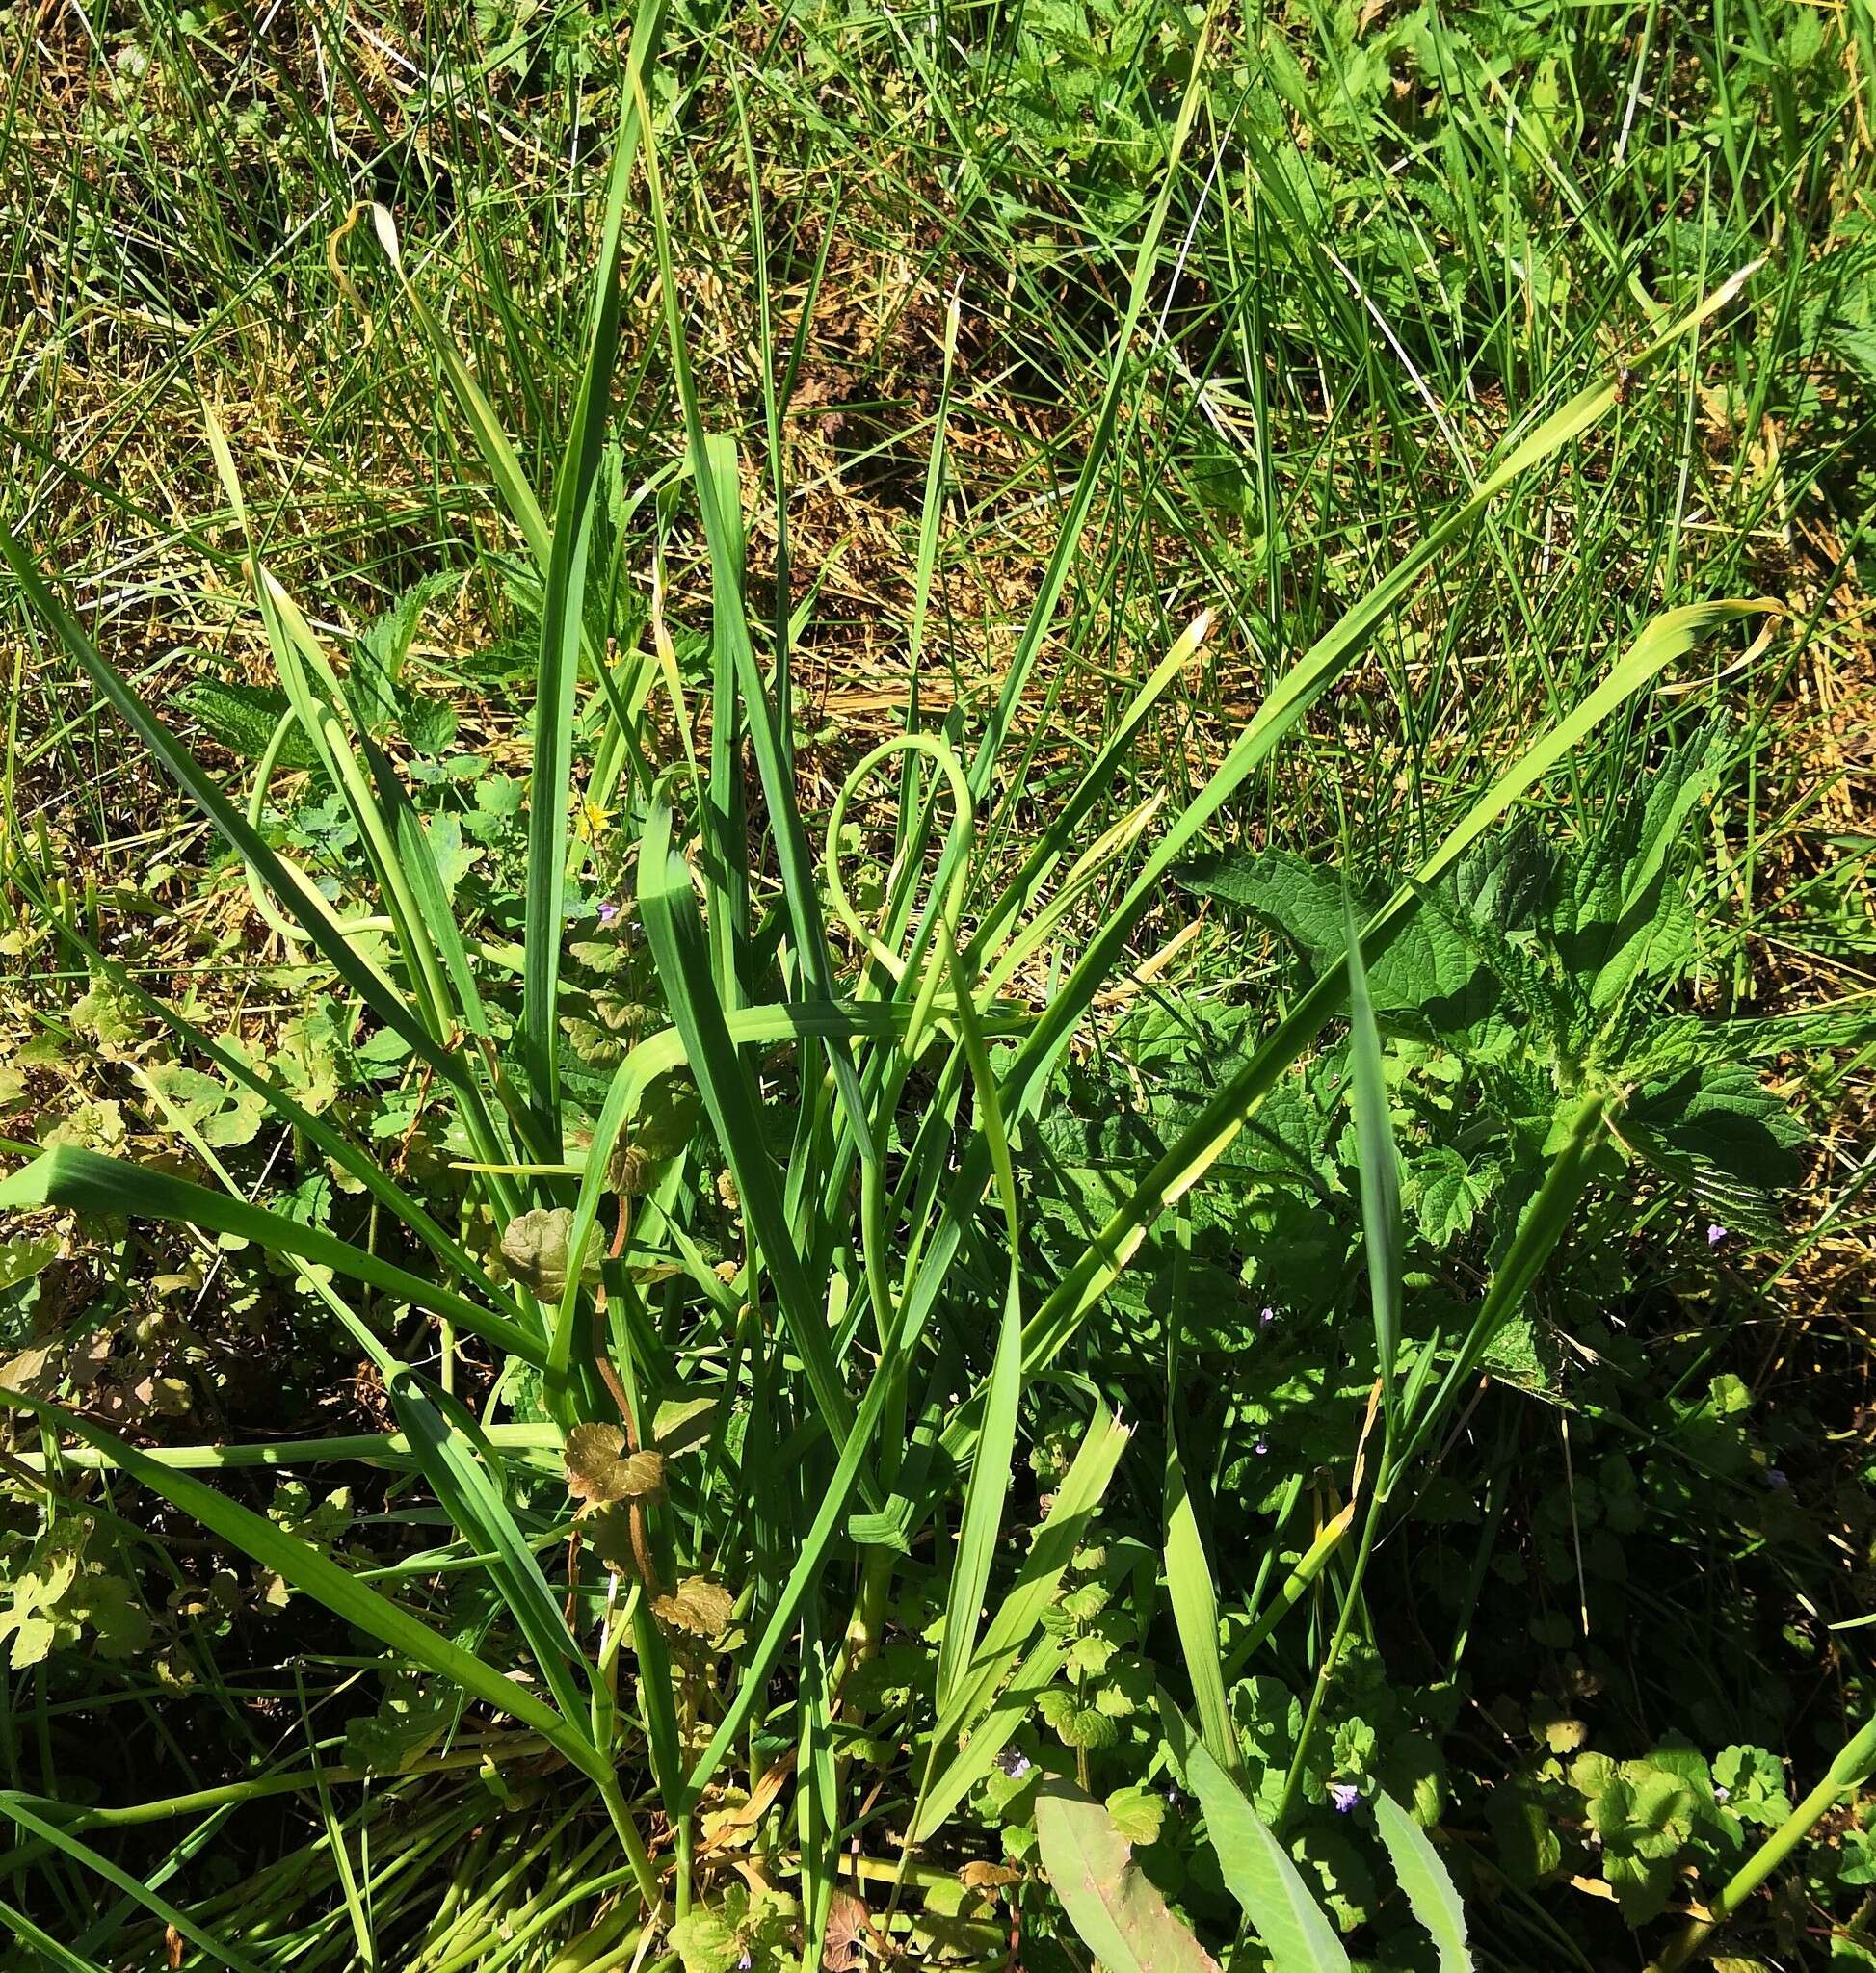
x: 312, y: 1570
x: 1426, y: 1881
x: 682, y: 954
x: 309, y: 910
x: 1278, y: 1906
x: 562, y: 626
x: 87, y: 1182
x: 1189, y: 1579
x: 1379, y: 1165
x: 134, y: 1888
x: 988, y: 1737
x: 988, y: 1486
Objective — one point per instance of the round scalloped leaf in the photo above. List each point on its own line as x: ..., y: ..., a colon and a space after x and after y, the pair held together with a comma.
x: 697, y: 1605
x: 599, y: 1470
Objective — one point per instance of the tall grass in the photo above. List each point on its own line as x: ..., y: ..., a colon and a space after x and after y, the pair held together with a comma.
x: 871, y: 1075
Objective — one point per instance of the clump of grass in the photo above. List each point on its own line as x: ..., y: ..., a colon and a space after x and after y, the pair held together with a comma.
x: 707, y: 1340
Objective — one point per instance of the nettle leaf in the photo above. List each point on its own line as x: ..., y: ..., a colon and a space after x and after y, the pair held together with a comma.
x: 1721, y: 1135
x: 242, y: 718
x: 1623, y: 916
x: 535, y: 1252
x: 388, y: 640
x: 1448, y: 1192
x: 1526, y: 1355
x: 1686, y: 1042
x: 428, y: 724
x: 599, y: 1470
x: 1429, y: 972
x: 697, y: 1605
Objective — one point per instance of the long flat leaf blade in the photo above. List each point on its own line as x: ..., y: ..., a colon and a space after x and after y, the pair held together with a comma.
x: 1288, y: 1921
x: 1427, y: 1883
x: 86, y: 1181
x: 1379, y: 1162
x: 314, y: 1571
x: 1121, y: 1918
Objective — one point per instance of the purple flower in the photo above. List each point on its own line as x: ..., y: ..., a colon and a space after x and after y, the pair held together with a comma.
x: 1721, y: 1794
x: 1715, y: 1235
x: 1265, y: 1317
x: 1015, y: 1763
x: 1777, y: 1481
x: 1344, y: 1795
x: 608, y: 911
x: 1262, y: 1447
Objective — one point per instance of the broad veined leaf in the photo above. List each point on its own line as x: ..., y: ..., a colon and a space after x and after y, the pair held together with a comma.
x: 599, y: 1470
x: 1721, y: 1135
x: 535, y: 1250
x: 1428, y: 973
x: 1120, y: 1914
x: 243, y: 718
x: 1257, y: 1871
x: 1426, y: 1881
x: 1622, y: 900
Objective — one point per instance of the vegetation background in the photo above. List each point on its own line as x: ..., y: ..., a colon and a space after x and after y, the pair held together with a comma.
x: 1017, y: 335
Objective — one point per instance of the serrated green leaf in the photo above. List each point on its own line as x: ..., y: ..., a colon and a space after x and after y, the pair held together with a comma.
x: 243, y: 718
x: 1138, y: 1813
x: 1720, y: 1135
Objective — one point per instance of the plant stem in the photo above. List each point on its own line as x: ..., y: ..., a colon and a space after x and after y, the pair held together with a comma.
x: 509, y: 1746
x: 633, y: 1844
x: 1370, y: 1521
